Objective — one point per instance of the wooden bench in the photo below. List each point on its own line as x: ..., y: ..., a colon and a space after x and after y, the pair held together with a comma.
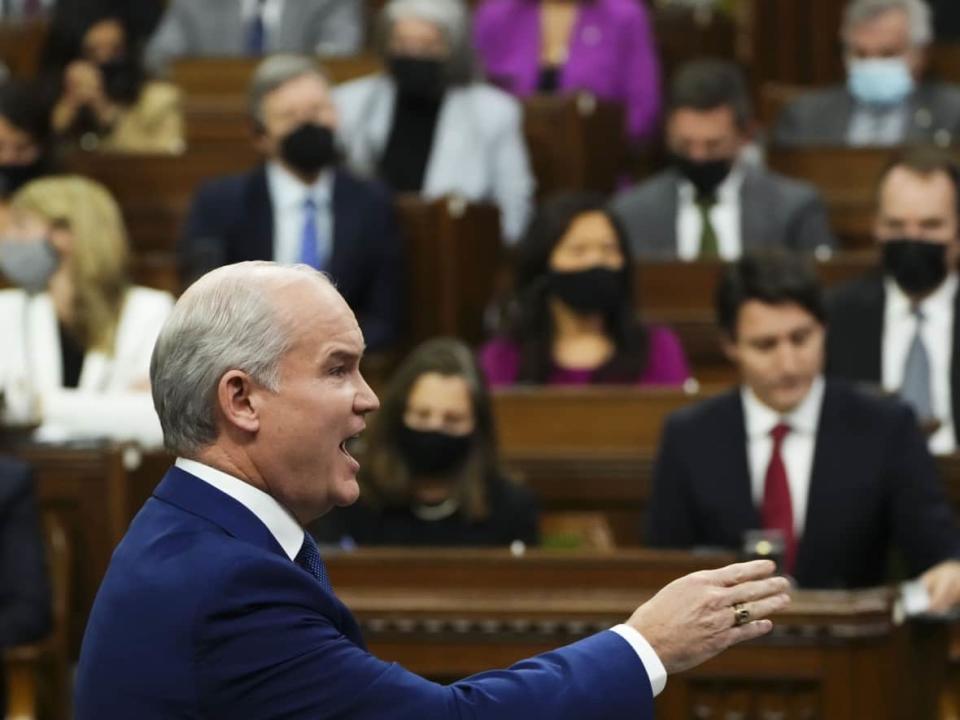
x: 451, y: 613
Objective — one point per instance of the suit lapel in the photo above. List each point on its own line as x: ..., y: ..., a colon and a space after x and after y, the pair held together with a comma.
x: 744, y: 510
x: 254, y: 239
x: 345, y: 226
x: 753, y: 210
x: 955, y: 368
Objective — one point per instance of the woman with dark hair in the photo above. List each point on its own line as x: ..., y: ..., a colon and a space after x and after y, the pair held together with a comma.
x: 574, y: 319
x: 24, y: 135
x: 431, y: 473
x: 103, y: 98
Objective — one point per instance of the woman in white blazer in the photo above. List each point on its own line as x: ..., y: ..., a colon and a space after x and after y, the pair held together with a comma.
x: 428, y: 125
x: 77, y: 335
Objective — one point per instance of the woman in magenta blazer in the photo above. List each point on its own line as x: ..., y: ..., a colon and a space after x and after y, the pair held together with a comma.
x: 610, y: 51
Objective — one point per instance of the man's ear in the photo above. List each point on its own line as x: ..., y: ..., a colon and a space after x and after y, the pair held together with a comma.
x: 729, y: 346
x: 236, y: 401
x: 260, y: 138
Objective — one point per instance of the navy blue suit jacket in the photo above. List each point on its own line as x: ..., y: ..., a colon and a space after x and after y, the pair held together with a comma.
x: 873, y: 485
x: 201, y: 614
x: 231, y: 220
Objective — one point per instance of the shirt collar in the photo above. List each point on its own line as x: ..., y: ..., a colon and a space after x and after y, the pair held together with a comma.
x: 938, y: 303
x: 760, y: 419
x: 728, y: 191
x: 281, y: 524
x: 288, y: 192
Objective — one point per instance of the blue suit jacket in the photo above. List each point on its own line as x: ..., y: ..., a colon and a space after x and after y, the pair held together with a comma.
x: 231, y: 220
x: 201, y: 614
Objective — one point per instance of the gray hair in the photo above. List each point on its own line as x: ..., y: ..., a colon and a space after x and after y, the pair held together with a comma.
x: 224, y: 321
x: 453, y: 19
x: 858, y: 12
x: 278, y: 70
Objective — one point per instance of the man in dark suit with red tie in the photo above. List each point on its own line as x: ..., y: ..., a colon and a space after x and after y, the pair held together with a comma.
x: 840, y: 474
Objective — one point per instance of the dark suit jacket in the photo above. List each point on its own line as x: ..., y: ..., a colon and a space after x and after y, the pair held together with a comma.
x: 855, y: 335
x: 873, y: 485
x: 231, y: 220
x: 822, y: 117
x: 202, y: 614
x: 774, y: 211
x: 25, y: 610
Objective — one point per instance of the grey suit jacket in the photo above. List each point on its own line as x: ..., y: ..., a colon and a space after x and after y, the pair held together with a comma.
x: 478, y: 152
x: 216, y: 28
x: 822, y: 117
x: 774, y: 210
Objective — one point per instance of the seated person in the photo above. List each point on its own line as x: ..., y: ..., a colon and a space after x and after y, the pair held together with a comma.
x: 24, y: 136
x: 839, y: 474
x: 103, y: 98
x: 431, y: 474
x: 547, y: 46
x: 574, y: 316
x: 77, y: 335
x: 713, y: 203
x: 427, y: 125
x: 885, y: 101
x: 897, y: 326
x: 300, y: 206
x: 25, y: 607
x: 226, y: 28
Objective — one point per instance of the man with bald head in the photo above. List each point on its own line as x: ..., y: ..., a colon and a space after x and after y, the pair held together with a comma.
x: 217, y: 605
x: 897, y: 326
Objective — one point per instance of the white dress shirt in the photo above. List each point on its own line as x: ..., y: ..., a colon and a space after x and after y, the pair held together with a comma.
x: 725, y: 216
x: 797, y: 450
x: 879, y: 127
x: 287, y: 195
x: 272, y: 11
x: 289, y: 534
x: 899, y: 327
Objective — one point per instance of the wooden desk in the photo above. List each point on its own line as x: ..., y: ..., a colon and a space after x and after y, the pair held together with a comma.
x: 451, y: 613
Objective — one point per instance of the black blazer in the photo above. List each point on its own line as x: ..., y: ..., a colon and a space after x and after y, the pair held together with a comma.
x: 231, y: 220
x: 855, y: 336
x: 873, y: 485
x: 25, y: 606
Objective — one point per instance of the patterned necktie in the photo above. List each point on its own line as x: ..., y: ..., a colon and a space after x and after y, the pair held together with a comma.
x: 309, y: 559
x: 777, y: 507
x: 709, y: 245
x: 916, y: 373
x: 256, y: 32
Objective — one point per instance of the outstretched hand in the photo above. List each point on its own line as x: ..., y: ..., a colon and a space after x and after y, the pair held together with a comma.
x: 693, y: 618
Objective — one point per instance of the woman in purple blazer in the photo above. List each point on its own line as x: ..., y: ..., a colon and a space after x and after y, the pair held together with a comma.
x: 574, y: 322
x: 603, y: 46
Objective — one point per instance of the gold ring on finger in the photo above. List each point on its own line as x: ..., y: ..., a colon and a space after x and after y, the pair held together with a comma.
x: 741, y: 616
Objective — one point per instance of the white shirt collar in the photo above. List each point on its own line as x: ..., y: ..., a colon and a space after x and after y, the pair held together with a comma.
x: 727, y: 192
x: 288, y: 192
x: 760, y: 419
x: 939, y: 303
x: 281, y: 524
x: 272, y: 10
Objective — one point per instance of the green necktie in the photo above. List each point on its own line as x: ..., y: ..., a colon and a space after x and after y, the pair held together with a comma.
x: 709, y: 249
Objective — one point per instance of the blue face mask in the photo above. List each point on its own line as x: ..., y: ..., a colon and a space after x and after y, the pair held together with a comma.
x: 879, y: 81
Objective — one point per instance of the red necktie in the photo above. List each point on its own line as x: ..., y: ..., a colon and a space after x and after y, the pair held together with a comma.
x: 777, y: 508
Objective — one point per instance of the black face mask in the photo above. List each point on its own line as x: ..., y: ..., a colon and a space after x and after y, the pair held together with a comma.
x: 705, y: 175
x: 418, y: 78
x: 13, y: 177
x: 121, y: 80
x: 594, y: 290
x: 309, y: 148
x: 433, y: 453
x: 917, y: 266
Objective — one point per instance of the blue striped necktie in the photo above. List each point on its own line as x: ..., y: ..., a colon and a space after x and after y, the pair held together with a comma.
x: 256, y: 31
x: 310, y: 237
x: 309, y: 559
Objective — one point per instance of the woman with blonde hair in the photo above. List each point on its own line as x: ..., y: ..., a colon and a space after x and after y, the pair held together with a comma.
x: 78, y: 334
x: 433, y: 476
